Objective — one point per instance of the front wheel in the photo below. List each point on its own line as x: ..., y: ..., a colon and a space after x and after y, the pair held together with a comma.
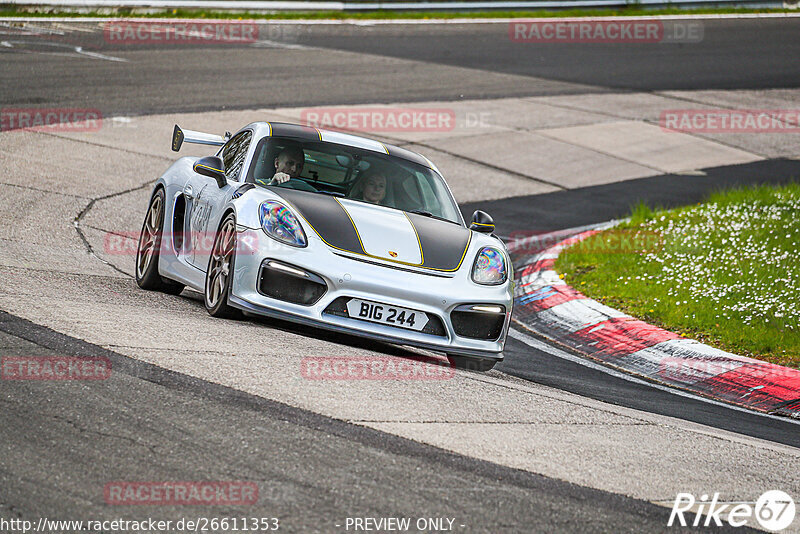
x: 471, y: 364
x: 149, y: 249
x: 219, y: 275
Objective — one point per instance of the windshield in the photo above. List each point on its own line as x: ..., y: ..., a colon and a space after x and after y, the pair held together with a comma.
x: 354, y: 173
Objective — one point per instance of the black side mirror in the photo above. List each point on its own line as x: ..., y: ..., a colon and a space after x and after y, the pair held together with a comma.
x: 212, y: 167
x: 482, y: 222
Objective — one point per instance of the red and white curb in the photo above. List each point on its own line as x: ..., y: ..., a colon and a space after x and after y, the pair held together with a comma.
x: 545, y: 304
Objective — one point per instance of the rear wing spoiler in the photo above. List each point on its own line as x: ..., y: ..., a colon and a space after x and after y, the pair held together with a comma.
x: 200, y: 138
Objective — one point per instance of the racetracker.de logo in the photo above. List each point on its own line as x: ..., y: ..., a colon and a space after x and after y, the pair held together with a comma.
x: 731, y: 120
x: 633, y: 31
x: 55, y: 368
x: 51, y: 119
x: 138, y: 32
x: 617, y: 241
x: 375, y: 368
x: 201, y: 243
x: 691, y: 370
x: 614, y: 241
x: 380, y: 119
x: 210, y: 493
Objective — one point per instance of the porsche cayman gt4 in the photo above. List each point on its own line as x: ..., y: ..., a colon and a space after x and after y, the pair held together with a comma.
x: 331, y: 230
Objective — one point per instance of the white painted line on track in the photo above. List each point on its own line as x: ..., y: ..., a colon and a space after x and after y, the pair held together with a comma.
x: 412, y: 22
x: 564, y: 355
x: 73, y: 50
x: 97, y: 55
x: 276, y: 44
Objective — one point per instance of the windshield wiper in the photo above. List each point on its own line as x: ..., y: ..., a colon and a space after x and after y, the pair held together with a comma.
x: 331, y: 193
x: 431, y: 215
x: 423, y: 212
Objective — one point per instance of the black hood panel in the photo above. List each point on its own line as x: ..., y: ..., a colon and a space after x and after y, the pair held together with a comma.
x: 443, y: 244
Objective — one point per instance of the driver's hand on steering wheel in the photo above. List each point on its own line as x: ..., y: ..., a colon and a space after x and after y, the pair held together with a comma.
x: 280, y: 178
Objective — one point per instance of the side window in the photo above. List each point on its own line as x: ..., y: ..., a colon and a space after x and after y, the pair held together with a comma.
x: 234, y: 153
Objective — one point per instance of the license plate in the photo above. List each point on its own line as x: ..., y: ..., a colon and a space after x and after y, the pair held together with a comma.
x: 385, y: 314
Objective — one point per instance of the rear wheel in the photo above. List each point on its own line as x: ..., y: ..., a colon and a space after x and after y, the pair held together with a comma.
x: 149, y: 249
x: 219, y: 275
x: 471, y: 364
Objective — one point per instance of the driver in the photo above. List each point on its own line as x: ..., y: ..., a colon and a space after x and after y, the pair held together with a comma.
x: 288, y: 164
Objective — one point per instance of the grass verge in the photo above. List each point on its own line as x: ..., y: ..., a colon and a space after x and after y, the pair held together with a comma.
x: 9, y: 10
x: 726, y: 272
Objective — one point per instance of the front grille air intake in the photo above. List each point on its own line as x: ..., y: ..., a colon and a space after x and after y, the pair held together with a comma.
x: 286, y: 282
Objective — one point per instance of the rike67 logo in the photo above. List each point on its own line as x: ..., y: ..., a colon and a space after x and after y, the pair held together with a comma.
x: 774, y: 511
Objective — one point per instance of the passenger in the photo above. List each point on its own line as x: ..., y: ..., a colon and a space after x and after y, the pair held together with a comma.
x: 373, y: 188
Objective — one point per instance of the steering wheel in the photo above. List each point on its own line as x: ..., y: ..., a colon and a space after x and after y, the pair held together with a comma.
x: 298, y: 184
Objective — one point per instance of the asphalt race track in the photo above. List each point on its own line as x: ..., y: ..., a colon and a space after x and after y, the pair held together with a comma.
x: 323, y: 462
x: 451, y: 62
x: 540, y: 444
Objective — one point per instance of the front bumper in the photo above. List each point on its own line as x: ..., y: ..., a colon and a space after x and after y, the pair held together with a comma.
x: 351, y: 278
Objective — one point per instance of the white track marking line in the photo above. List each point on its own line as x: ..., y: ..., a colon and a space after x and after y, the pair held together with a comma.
x: 75, y: 28
x: 74, y: 50
x: 97, y: 55
x: 265, y: 43
x: 553, y: 351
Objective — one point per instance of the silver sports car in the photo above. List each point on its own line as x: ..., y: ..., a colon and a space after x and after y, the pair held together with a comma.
x: 331, y: 230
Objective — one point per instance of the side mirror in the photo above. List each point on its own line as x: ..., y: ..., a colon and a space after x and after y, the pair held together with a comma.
x: 482, y: 222
x: 212, y: 167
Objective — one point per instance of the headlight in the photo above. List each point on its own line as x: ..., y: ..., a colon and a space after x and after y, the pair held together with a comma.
x: 280, y: 223
x: 490, y: 267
